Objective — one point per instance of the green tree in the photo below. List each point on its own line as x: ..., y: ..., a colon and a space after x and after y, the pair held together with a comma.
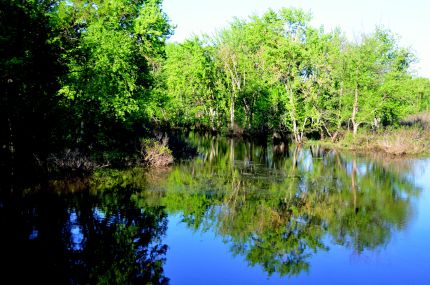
x: 110, y: 65
x: 190, y: 75
x: 285, y: 57
x: 371, y: 64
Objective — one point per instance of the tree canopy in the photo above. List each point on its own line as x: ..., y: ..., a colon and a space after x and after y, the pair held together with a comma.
x: 90, y: 74
x: 277, y: 72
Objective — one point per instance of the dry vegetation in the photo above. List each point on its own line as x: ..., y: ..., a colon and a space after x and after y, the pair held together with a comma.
x: 72, y: 161
x: 421, y: 120
x: 412, y: 138
x: 153, y: 152
x: 403, y: 141
x: 156, y: 153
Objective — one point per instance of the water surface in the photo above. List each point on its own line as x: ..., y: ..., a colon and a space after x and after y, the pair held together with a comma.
x: 239, y: 213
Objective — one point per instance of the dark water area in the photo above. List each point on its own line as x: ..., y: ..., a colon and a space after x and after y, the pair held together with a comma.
x: 239, y: 213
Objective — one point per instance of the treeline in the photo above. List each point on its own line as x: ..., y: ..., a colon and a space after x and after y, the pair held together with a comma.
x: 276, y: 72
x: 96, y: 75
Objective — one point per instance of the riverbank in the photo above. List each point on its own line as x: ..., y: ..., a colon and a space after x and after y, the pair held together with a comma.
x: 406, y: 141
x: 165, y: 148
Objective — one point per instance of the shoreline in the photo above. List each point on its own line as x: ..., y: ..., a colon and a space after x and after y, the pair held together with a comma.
x: 400, y: 143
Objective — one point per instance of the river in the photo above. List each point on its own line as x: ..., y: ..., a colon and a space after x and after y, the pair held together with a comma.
x: 238, y: 213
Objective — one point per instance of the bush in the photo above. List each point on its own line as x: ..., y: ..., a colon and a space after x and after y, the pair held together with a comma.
x: 156, y: 153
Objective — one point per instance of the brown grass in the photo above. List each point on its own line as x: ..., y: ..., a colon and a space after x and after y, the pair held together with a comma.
x: 403, y: 141
x: 396, y: 142
x: 421, y: 120
x: 71, y: 161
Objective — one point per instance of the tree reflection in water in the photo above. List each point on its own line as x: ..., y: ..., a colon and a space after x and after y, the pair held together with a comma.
x: 275, y: 205
x: 278, y: 205
x: 94, y: 236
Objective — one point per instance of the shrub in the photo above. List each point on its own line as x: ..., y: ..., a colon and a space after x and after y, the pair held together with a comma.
x: 156, y: 153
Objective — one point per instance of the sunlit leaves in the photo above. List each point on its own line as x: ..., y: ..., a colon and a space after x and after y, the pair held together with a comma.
x: 277, y: 72
x: 110, y: 65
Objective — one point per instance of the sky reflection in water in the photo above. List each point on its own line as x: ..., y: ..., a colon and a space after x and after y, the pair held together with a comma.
x: 240, y: 213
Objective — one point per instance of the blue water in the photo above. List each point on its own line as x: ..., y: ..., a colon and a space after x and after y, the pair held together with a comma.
x: 196, y: 257
x: 239, y: 213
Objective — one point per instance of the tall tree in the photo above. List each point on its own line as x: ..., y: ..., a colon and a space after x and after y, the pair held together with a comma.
x: 110, y: 66
x: 286, y: 59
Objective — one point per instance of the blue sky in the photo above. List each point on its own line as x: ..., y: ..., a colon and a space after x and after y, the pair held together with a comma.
x: 409, y: 19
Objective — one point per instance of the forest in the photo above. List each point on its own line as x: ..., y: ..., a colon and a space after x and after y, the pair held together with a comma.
x: 87, y: 81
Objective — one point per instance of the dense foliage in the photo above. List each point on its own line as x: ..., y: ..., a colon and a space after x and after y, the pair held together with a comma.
x: 96, y: 74
x: 76, y: 74
x: 276, y: 72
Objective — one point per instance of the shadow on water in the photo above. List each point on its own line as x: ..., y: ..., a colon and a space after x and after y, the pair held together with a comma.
x: 275, y: 205
x: 92, y: 236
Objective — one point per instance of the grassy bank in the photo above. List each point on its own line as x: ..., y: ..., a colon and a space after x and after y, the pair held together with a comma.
x: 403, y: 141
x: 412, y: 137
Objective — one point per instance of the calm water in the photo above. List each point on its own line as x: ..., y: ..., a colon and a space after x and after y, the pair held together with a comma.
x: 240, y: 213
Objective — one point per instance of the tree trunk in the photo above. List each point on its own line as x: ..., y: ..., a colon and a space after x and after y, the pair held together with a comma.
x: 334, y: 137
x: 354, y: 128
x: 230, y: 65
x: 212, y: 118
x: 293, y: 114
x: 339, y: 116
x: 232, y: 112
x: 376, y: 123
x: 355, y: 124
x: 247, y: 110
